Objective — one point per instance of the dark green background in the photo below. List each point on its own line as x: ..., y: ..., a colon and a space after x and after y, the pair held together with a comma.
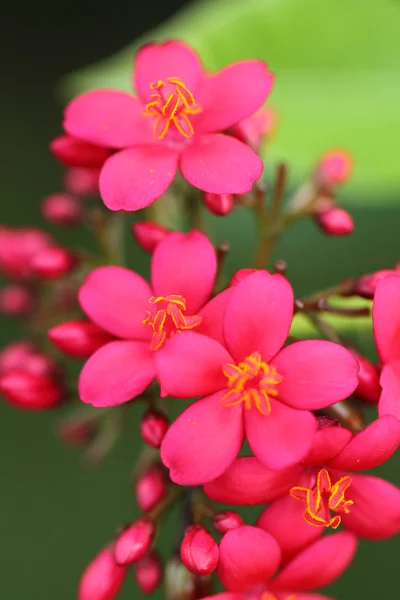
x: 54, y: 513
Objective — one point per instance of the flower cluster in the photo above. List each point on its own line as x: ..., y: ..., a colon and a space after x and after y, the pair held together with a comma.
x: 269, y: 419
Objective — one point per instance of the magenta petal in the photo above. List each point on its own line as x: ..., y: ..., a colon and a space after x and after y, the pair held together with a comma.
x: 389, y: 402
x: 134, y: 178
x: 212, y: 316
x: 232, y: 94
x: 258, y: 315
x: 327, y: 444
x: 185, y: 264
x: 371, y: 447
x: 386, y: 318
x: 315, y: 374
x: 247, y: 481
x: 220, y: 164
x: 203, y: 441
x: 282, y: 438
x: 190, y: 364
x: 116, y: 299
x: 108, y: 118
x: 116, y: 373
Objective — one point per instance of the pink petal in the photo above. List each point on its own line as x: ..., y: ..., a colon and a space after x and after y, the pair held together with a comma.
x: 319, y: 564
x: 248, y: 556
x: 116, y: 299
x: 232, y: 94
x: 108, y: 118
x: 248, y: 481
x: 389, y: 402
x: 327, y: 443
x: 185, y: 264
x: 203, y: 441
x: 190, y: 364
x: 371, y: 447
x: 282, y: 438
x: 158, y: 62
x: 315, y: 374
x: 220, y: 164
x: 134, y: 178
x: 212, y: 317
x: 310, y: 597
x: 375, y: 514
x: 386, y: 318
x: 116, y: 373
x: 258, y: 315
x: 227, y: 596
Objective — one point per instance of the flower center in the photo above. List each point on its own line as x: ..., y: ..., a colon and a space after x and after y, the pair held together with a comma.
x: 323, y: 498
x: 251, y: 382
x: 171, y: 103
x: 169, y: 319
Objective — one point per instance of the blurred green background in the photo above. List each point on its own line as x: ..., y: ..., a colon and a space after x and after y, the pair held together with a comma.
x: 337, y: 85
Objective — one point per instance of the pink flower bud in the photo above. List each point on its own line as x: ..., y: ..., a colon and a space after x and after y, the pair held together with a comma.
x: 78, y: 339
x: 102, y: 579
x: 14, y: 355
x: 52, y: 262
x: 240, y: 275
x: 74, y: 152
x: 148, y: 573
x: 17, y: 246
x: 151, y: 489
x: 369, y: 388
x: 15, y: 300
x: 62, y: 209
x: 334, y: 168
x: 82, y: 181
x: 199, y: 551
x: 148, y: 234
x: 134, y: 542
x: 30, y: 391
x: 332, y: 219
x: 365, y: 286
x: 39, y: 363
x: 218, y: 204
x: 224, y: 521
x: 252, y: 129
x: 153, y: 427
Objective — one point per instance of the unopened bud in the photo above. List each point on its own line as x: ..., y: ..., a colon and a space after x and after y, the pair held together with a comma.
x: 17, y: 246
x: 62, y: 209
x: 334, y: 168
x: 102, y: 578
x: 251, y: 130
x: 74, y: 152
x: 79, y: 338
x: 148, y: 573
x: 76, y: 431
x: 365, y: 286
x: 82, y: 181
x: 15, y: 300
x: 134, y: 542
x: 224, y: 521
x: 40, y: 363
x: 151, y: 489
x: 368, y: 388
x: 332, y: 219
x: 240, y: 275
x: 181, y: 584
x: 14, y: 355
x: 153, y: 427
x: 199, y: 551
x: 30, y: 391
x: 148, y: 234
x: 53, y: 262
x: 218, y: 204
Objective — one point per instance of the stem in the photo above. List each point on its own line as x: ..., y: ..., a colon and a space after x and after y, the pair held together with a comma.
x: 348, y: 415
x: 324, y: 327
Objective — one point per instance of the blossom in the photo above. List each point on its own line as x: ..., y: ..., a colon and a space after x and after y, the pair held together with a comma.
x: 251, y: 385
x: 144, y: 317
x: 173, y: 123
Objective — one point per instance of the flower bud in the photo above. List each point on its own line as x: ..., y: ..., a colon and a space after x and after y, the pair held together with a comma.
x: 199, y: 551
x: 224, y: 521
x: 30, y: 391
x: 82, y: 181
x: 17, y: 246
x: 134, y: 542
x: 14, y: 355
x: 153, y: 427
x: 252, y: 129
x: 151, y: 489
x: 148, y: 234
x: 365, y: 286
x: 15, y: 300
x: 181, y: 584
x: 102, y: 578
x: 148, y: 573
x: 368, y: 388
x: 52, y: 262
x: 79, y: 338
x: 218, y: 204
x: 240, y: 275
x: 332, y: 219
x: 62, y: 209
x: 74, y: 152
x: 39, y: 363
x: 334, y: 168
x: 76, y: 431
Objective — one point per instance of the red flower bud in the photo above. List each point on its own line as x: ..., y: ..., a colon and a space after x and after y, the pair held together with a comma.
x: 224, y: 521
x: 148, y: 573
x: 134, y: 542
x: 218, y: 204
x: 365, y: 286
x: 53, y: 262
x: 332, y: 219
x: 39, y: 363
x: 76, y: 431
x: 30, y: 391
x: 82, y: 181
x: 148, y: 234
x: 78, y: 339
x: 62, y: 209
x: 199, y: 551
x: 153, y: 427
x: 369, y: 388
x: 15, y: 300
x: 14, y: 355
x: 151, y: 488
x: 102, y: 579
x: 334, y: 168
x: 17, y: 246
x: 74, y: 152
x: 240, y: 275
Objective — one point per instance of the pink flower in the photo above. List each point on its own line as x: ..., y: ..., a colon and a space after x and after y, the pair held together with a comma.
x: 172, y: 124
x: 144, y: 317
x: 251, y: 385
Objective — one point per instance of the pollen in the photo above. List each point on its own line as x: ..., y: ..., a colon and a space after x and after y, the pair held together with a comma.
x: 171, y: 103
x: 251, y: 382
